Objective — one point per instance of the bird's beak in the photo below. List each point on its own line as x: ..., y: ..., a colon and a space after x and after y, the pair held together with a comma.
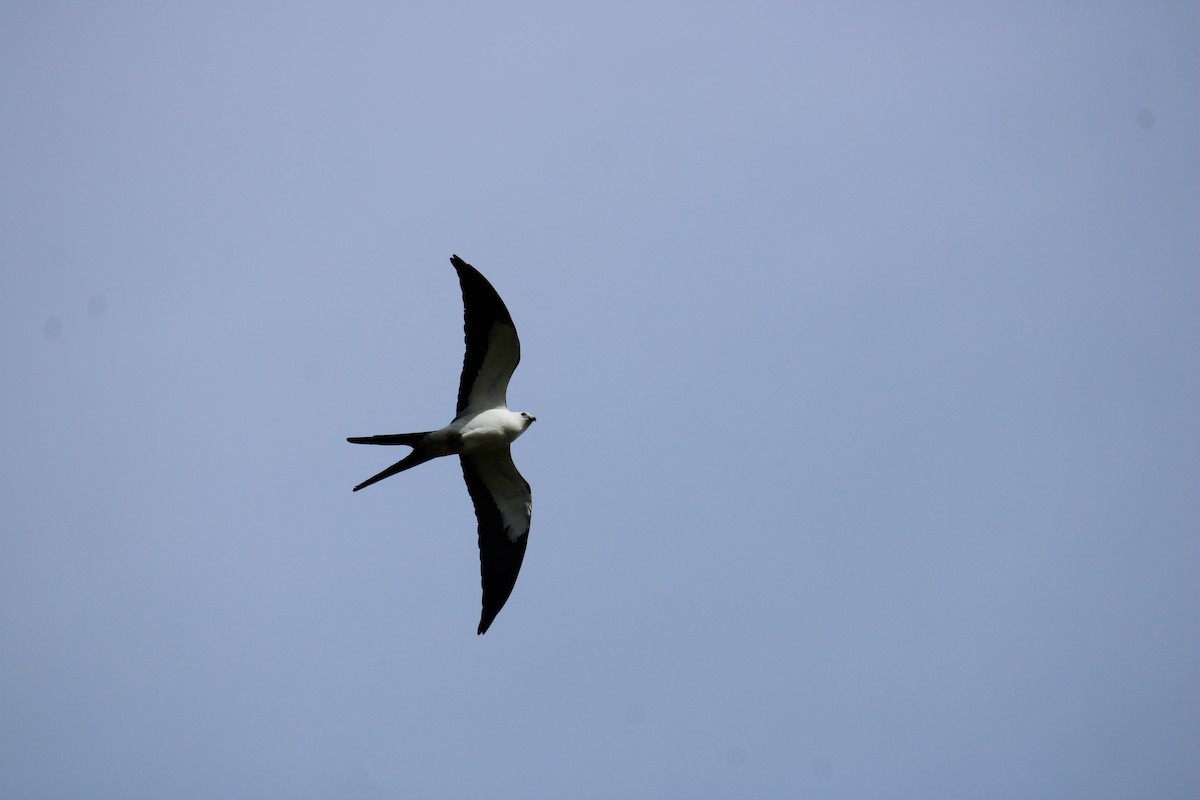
x: 532, y: 418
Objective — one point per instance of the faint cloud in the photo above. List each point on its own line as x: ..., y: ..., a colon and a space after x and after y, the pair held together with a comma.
x: 604, y: 153
x: 1146, y: 118
x: 314, y: 372
x: 52, y: 328
x: 97, y: 305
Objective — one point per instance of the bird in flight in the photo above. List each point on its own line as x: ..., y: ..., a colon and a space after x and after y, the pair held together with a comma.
x: 480, y: 435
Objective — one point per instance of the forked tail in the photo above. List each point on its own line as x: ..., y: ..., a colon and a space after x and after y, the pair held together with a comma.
x: 417, y: 456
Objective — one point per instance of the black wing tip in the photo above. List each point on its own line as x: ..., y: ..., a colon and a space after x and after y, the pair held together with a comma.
x: 486, y: 621
x: 495, y: 598
x: 470, y: 275
x: 479, y: 296
x: 490, y: 611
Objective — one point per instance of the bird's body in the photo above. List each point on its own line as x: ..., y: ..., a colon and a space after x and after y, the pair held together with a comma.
x: 480, y: 434
x: 488, y: 430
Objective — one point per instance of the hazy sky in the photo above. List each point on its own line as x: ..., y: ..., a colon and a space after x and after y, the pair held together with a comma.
x: 863, y: 340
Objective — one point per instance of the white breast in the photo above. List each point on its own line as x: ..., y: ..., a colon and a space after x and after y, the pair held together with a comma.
x: 491, y: 429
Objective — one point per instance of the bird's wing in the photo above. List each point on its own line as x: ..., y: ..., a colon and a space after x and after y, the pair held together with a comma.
x: 503, y: 504
x: 493, y: 350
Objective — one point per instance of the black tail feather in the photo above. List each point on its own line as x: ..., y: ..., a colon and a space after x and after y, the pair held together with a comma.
x: 410, y: 439
x: 408, y: 462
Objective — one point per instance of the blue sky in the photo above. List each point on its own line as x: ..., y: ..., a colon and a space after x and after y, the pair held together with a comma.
x: 862, y: 341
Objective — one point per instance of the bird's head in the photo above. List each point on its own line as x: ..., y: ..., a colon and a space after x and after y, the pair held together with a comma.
x: 527, y: 419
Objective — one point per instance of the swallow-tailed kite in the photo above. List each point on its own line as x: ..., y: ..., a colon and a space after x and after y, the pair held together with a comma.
x: 480, y: 436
